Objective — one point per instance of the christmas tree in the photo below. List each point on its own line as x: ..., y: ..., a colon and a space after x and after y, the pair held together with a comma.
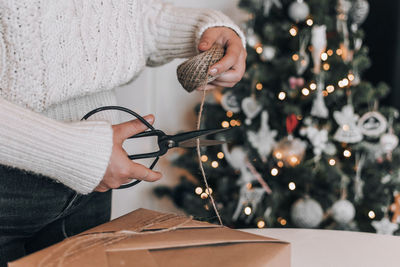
x: 309, y: 146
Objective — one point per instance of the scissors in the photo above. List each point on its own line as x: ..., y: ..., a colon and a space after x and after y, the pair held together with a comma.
x: 165, y: 142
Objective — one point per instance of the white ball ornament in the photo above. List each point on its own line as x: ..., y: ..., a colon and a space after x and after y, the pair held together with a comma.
x: 298, y: 11
x: 306, y: 213
x: 389, y: 142
x: 268, y: 53
x: 343, y: 211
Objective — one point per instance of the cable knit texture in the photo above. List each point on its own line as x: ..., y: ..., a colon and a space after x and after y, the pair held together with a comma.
x: 63, y: 58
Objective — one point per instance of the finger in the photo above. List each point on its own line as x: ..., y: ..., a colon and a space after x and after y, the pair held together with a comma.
x: 101, y: 188
x: 223, y: 84
x: 208, y: 39
x: 232, y: 54
x: 141, y: 172
x: 129, y: 128
x: 231, y: 76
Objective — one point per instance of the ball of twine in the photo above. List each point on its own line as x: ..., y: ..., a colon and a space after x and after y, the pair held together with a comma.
x: 193, y: 73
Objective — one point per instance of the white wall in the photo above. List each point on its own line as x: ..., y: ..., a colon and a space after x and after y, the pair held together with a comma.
x: 157, y: 91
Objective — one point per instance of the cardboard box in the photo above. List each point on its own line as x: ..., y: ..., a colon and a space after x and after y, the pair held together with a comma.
x: 151, y: 242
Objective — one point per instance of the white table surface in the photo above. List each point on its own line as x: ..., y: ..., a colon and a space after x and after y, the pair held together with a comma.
x: 327, y: 248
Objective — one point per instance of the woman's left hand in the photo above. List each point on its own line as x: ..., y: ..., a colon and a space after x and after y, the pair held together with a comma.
x: 232, y: 66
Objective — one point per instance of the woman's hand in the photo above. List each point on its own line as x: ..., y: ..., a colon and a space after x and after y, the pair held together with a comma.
x: 232, y: 66
x: 121, y: 169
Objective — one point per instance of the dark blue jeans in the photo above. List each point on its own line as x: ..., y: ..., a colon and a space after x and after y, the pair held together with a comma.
x: 36, y: 212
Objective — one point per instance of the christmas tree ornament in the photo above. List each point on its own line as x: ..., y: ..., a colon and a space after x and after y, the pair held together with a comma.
x: 193, y: 73
x: 358, y: 14
x: 229, y: 102
x: 395, y: 208
x: 252, y: 38
x: 372, y: 124
x: 348, y: 131
x: 319, y: 108
x: 268, y: 53
x: 304, y: 59
x: 385, y: 226
x: 296, y: 83
x: 306, y: 213
x: 343, y: 211
x: 318, y: 41
x: 358, y: 182
x: 263, y: 140
x: 298, y: 11
x: 343, y: 9
x: 248, y: 198
x: 251, y: 107
x: 317, y: 137
x: 389, y: 142
x: 268, y: 4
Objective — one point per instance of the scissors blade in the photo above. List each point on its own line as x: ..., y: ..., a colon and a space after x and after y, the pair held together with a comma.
x: 193, y: 143
x: 183, y: 137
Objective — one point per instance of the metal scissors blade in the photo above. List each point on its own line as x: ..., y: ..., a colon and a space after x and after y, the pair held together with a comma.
x: 188, y: 139
x: 193, y: 143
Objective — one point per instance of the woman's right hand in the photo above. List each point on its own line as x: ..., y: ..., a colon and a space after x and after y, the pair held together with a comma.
x: 121, y: 169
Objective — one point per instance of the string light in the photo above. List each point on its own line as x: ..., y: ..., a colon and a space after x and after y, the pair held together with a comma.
x: 351, y: 76
x: 259, y: 50
x: 292, y: 186
x: 198, y: 190
x: 330, y: 88
x: 326, y: 66
x: 310, y: 22
x: 347, y: 153
x: 305, y: 91
x: 313, y: 86
x: 259, y: 86
x: 249, y: 186
x: 225, y: 124
x: 295, y: 57
x: 371, y: 214
x: 204, y: 158
x: 325, y: 93
x: 346, y: 127
x: 293, y: 31
x: 220, y: 155
x: 324, y: 56
x: 261, y: 224
x: 208, y: 191
x: 233, y: 123
x: 282, y: 96
x: 274, y: 172
x: 332, y: 162
x: 247, y: 211
x: 282, y: 221
x: 204, y: 195
x: 345, y: 82
x: 280, y: 164
x: 278, y: 155
x: 293, y: 161
x: 229, y: 114
x: 214, y: 164
x: 339, y: 52
x: 329, y: 52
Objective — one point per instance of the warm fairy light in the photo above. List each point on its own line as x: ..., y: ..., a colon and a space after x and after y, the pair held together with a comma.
x: 214, y: 164
x: 282, y: 221
x: 233, y: 123
x: 313, y: 86
x: 345, y: 82
x: 310, y: 22
x: 293, y: 31
x: 278, y: 155
x: 325, y: 93
x: 330, y: 88
x: 259, y: 86
x: 208, y: 191
x: 280, y: 164
x: 220, y: 155
x: 249, y: 186
x: 351, y: 76
x: 229, y: 114
x: 225, y: 124
x: 295, y: 57
x: 371, y: 214
x: 274, y: 172
x: 259, y: 49
x: 305, y: 91
x: 347, y: 153
x: 204, y: 158
x: 332, y: 162
x: 294, y: 160
x: 339, y: 52
x: 341, y: 84
x: 237, y: 123
x: 324, y: 56
x: 346, y: 127
x: 282, y: 96
x: 299, y: 117
x: 261, y: 224
x: 292, y: 186
x: 329, y: 52
x: 198, y: 190
x: 204, y: 195
x: 326, y: 66
x: 303, y: 62
x: 247, y: 210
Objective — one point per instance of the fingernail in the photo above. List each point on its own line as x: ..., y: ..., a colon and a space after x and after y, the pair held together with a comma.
x: 203, y: 44
x: 149, y: 118
x: 213, y: 71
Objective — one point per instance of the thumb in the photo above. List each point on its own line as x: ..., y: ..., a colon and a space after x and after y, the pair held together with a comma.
x: 207, y: 40
x: 127, y: 129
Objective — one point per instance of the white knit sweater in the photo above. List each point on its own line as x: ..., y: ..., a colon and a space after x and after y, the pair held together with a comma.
x: 60, y: 59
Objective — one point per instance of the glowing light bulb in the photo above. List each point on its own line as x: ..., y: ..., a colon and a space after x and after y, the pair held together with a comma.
x: 209, y: 191
x: 346, y: 127
x: 198, y: 190
x: 332, y: 162
x: 204, y: 158
x: 345, y: 82
x: 274, y: 172
x: 313, y: 86
x: 249, y: 186
x: 282, y: 96
x: 295, y: 57
x: 293, y: 31
x: 326, y: 66
x: 347, y: 153
x: 214, y: 164
x: 225, y: 124
x: 261, y: 224
x: 232, y: 123
x: 294, y: 160
x: 229, y: 114
x: 259, y: 50
x: 305, y: 91
x: 292, y: 186
x: 278, y: 155
x: 204, y: 195
x: 247, y: 211
x: 329, y: 52
x: 310, y: 22
x: 371, y: 214
x: 259, y: 86
x: 324, y: 56
x: 339, y: 52
x: 330, y: 88
x: 351, y: 76
x: 220, y: 155
x: 280, y: 164
x: 325, y: 93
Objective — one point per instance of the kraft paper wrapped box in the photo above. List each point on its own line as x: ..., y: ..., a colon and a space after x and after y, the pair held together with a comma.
x: 148, y: 238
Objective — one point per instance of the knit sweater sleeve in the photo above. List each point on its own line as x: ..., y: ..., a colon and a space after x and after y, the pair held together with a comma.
x: 174, y: 32
x: 75, y: 154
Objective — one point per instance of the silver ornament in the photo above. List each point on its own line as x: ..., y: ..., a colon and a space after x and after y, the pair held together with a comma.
x: 230, y: 103
x: 306, y: 213
x: 348, y: 131
x: 372, y: 124
x: 385, y: 226
x: 343, y: 211
x: 298, y: 11
x: 319, y: 108
x: 358, y: 14
x: 251, y: 107
x: 389, y: 142
x: 319, y: 42
x: 268, y: 53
